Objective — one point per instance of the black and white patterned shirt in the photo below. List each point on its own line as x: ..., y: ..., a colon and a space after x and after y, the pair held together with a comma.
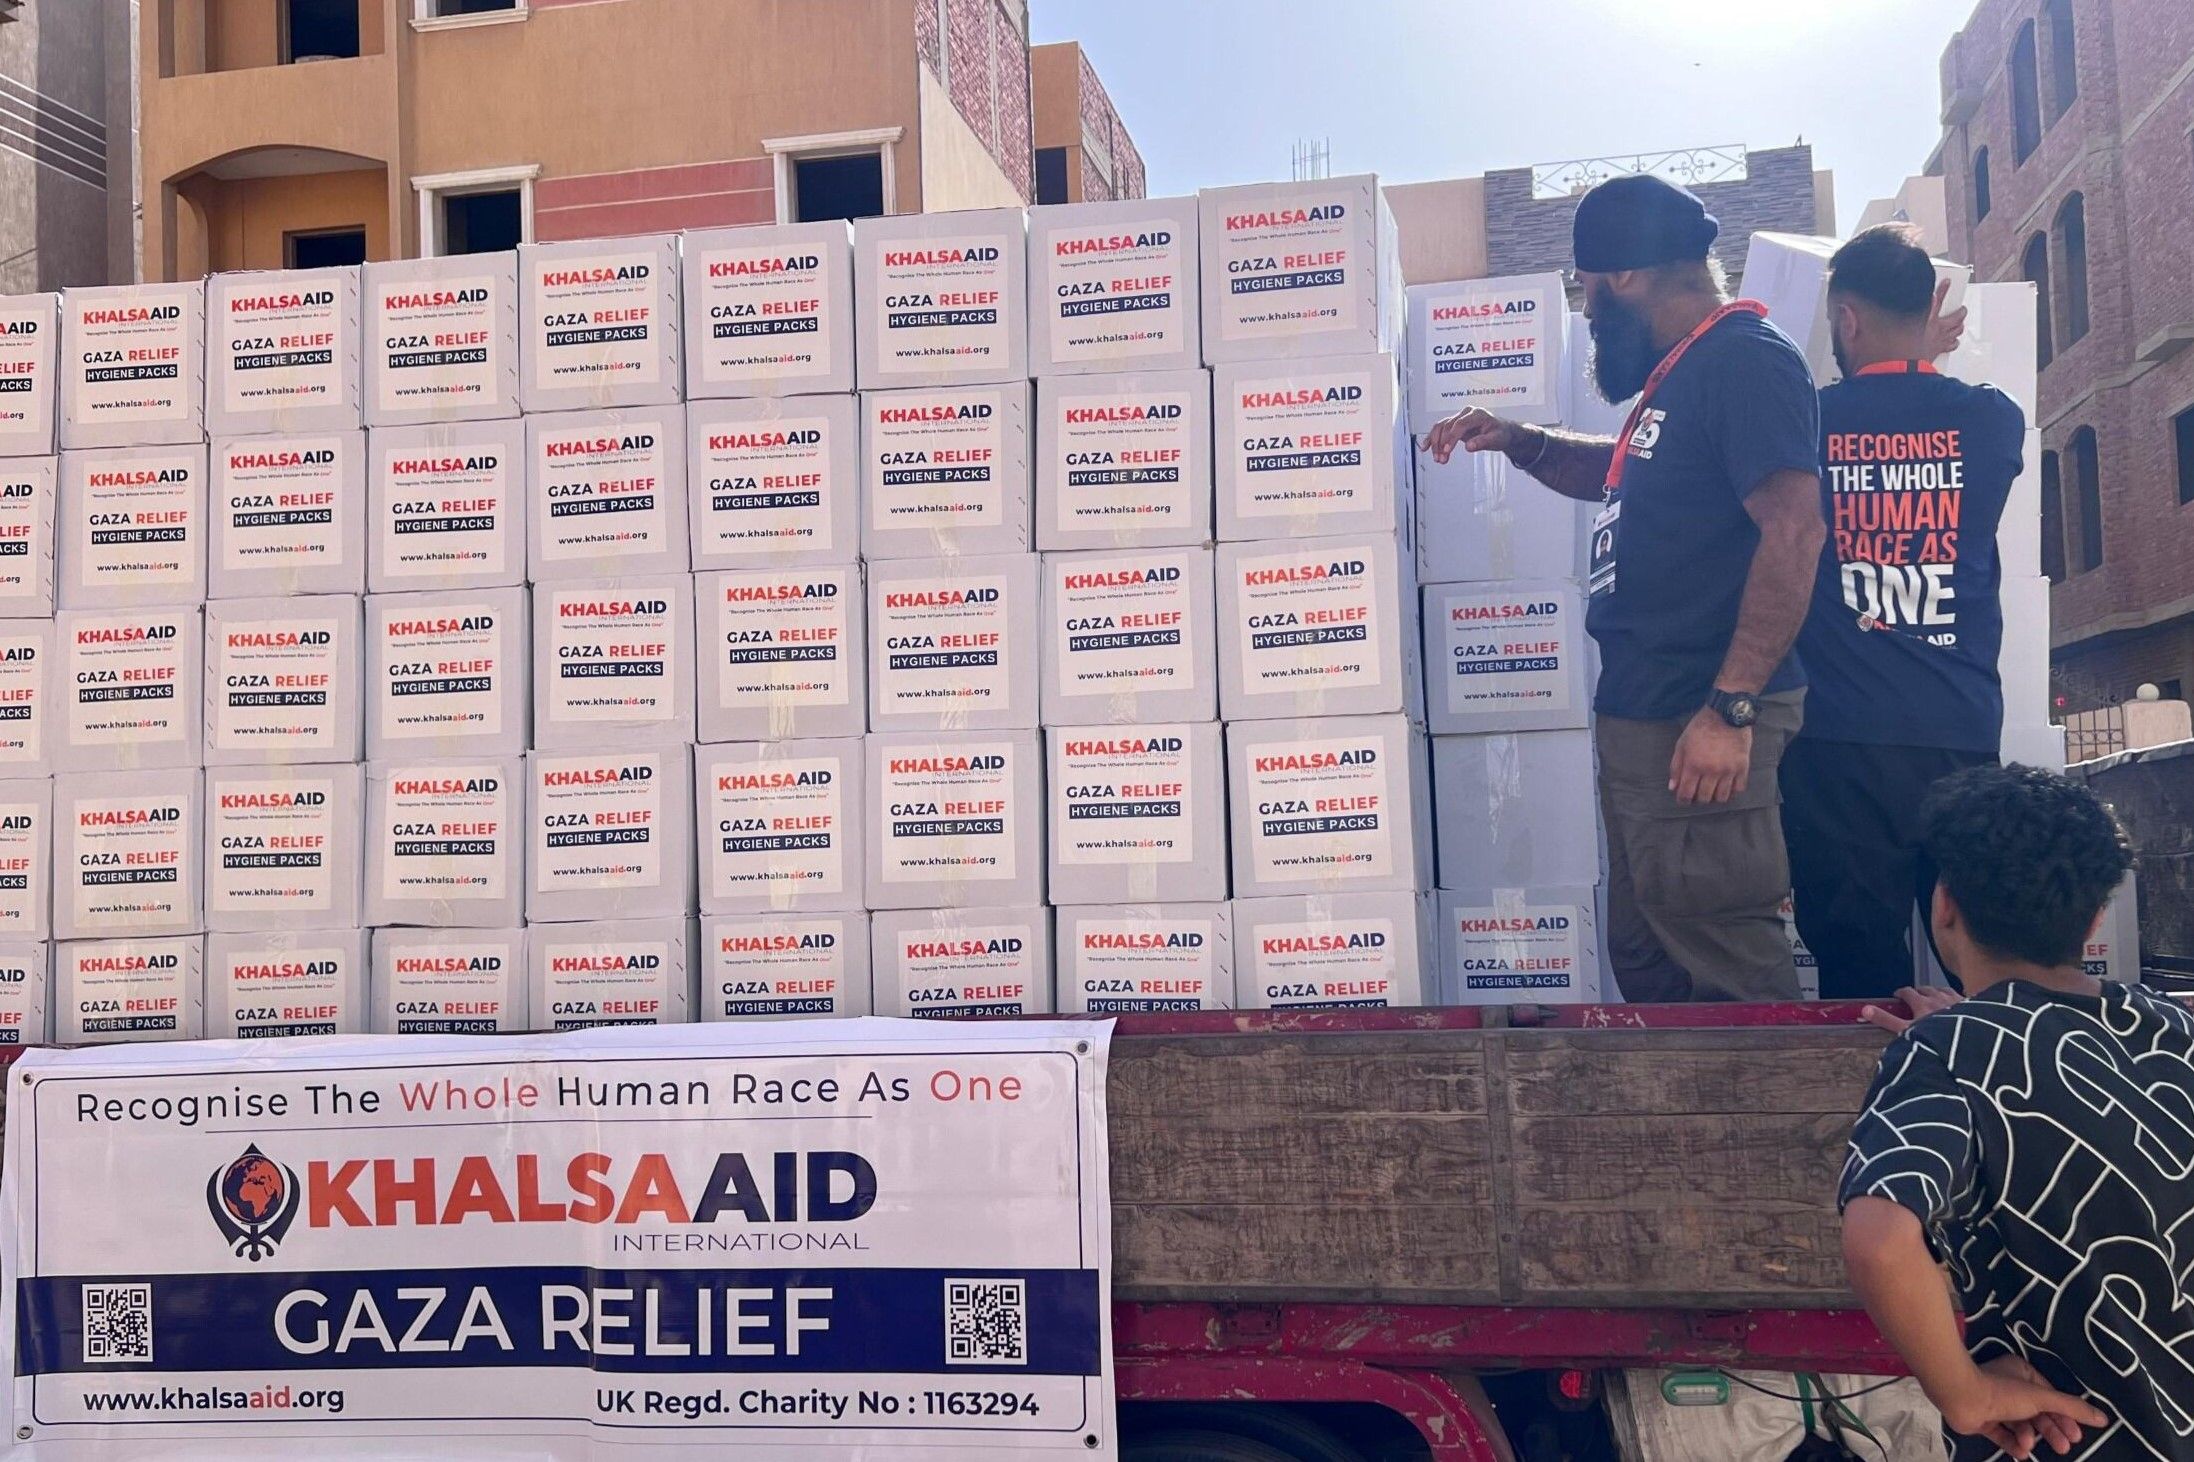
x: 2046, y: 1143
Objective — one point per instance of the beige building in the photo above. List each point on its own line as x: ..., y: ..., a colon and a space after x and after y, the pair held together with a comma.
x: 290, y: 133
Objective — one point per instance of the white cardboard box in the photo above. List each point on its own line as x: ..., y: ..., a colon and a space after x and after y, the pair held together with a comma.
x: 132, y: 527
x: 774, y: 481
x: 1343, y: 951
x: 449, y: 673
x: 1112, y: 287
x: 601, y: 325
x: 2034, y: 744
x: 285, y: 847
x: 612, y: 835
x: 780, y: 825
x: 127, y: 854
x: 137, y: 989
x: 1318, y: 627
x: 283, y: 680
x: 446, y: 843
x: 441, y: 339
x: 1299, y: 269
x: 610, y: 972
x: 2022, y: 662
x: 1998, y: 347
x: 299, y: 982
x: 129, y: 689
x: 769, y: 310
x: 958, y: 964
x: 30, y: 368
x: 283, y: 352
x: 449, y: 982
x: 448, y: 506
x: 957, y: 819
x: 2019, y: 532
x: 1334, y: 804
x: 26, y: 866
x: 1510, y: 946
x: 1138, y: 813
x: 133, y: 365
x: 954, y: 643
x: 1124, y: 461
x: 942, y: 298
x: 29, y: 502
x: 1310, y: 448
x: 1789, y: 274
x: 1517, y: 810
x: 1506, y: 657
x: 26, y: 993
x: 1497, y: 344
x: 781, y: 652
x: 287, y: 515
x: 945, y: 470
x: 613, y: 663
x: 784, y: 966
x: 2113, y: 951
x: 27, y: 696
x: 1144, y: 959
x: 1479, y: 519
x: 606, y: 493
x: 1129, y: 635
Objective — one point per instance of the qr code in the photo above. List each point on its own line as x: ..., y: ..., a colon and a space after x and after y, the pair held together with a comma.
x: 117, y: 1323
x: 986, y: 1322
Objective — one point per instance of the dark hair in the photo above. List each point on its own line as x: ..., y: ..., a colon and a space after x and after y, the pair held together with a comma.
x: 2029, y: 857
x: 1888, y: 267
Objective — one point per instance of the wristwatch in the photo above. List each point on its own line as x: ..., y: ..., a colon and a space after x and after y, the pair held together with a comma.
x: 1735, y: 707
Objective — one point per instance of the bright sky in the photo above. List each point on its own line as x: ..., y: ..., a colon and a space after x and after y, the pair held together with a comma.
x: 1218, y: 91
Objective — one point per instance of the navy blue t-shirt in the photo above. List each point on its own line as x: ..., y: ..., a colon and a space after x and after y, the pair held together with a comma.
x: 1901, y: 641
x: 1739, y: 407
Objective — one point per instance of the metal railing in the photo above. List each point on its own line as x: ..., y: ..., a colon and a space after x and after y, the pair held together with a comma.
x: 2092, y: 734
x: 1690, y: 166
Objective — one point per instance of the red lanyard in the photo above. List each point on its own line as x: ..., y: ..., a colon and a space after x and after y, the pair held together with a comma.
x: 1614, y: 481
x: 1898, y: 368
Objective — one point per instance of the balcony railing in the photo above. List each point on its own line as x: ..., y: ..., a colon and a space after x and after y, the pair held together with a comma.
x: 1689, y: 166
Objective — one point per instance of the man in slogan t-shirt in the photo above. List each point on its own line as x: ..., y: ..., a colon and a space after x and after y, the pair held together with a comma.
x: 1900, y: 643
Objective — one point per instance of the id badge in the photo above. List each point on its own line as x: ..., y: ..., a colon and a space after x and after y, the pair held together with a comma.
x: 1600, y: 567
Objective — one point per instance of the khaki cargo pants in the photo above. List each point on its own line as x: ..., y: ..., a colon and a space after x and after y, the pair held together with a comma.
x: 1694, y: 893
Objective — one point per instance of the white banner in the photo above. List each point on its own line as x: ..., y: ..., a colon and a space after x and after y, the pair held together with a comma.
x: 864, y: 1239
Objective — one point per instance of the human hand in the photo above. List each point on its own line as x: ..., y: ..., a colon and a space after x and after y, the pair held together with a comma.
x: 1919, y: 999
x: 1713, y: 760
x: 1943, y: 331
x: 1474, y: 430
x: 2009, y: 1403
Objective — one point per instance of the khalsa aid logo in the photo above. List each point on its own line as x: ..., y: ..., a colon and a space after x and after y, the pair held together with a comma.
x: 253, y: 1201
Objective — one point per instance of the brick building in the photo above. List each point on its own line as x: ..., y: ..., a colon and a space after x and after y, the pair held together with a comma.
x: 65, y: 214
x: 2067, y: 161
x: 1083, y: 152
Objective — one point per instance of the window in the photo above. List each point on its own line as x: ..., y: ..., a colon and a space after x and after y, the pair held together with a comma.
x: 1051, y: 175
x: 2035, y: 266
x: 2026, y: 103
x: 469, y: 7
x: 476, y: 212
x: 2064, y: 67
x: 2182, y: 438
x: 319, y: 30
x: 2052, y: 519
x: 851, y: 186
x: 1981, y: 201
x: 2086, y: 482
x: 2171, y: 690
x: 2072, y: 265
x: 324, y: 248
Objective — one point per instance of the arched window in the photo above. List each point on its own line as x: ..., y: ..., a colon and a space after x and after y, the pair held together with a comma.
x: 2071, y: 229
x: 2064, y: 61
x: 2087, y: 486
x: 1981, y: 200
x: 2052, y: 519
x: 2026, y: 101
x: 2035, y: 266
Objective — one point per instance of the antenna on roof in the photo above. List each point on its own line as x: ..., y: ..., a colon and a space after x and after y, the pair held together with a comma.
x: 1313, y: 160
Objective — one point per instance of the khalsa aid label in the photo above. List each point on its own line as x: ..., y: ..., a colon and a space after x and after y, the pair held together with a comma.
x: 1127, y: 796
x: 1122, y: 625
x: 23, y: 691
x: 1290, y: 266
x: 138, y: 522
x: 598, y: 824
x: 781, y: 639
x: 955, y: 973
x: 1326, y: 964
x: 613, y: 657
x: 124, y: 676
x: 298, y: 991
x: 601, y: 494
x: 944, y: 303
x: 1322, y: 809
x: 276, y: 681
x: 28, y: 354
x: 767, y: 484
x: 949, y: 812
x: 590, y: 983
x: 779, y: 829
x: 131, y: 354
x: 782, y: 966
x: 281, y: 502
x: 283, y: 348
x: 766, y: 313
x: 1123, y: 463
x: 449, y: 511
x: 1130, y: 966
x: 442, y: 665
x: 942, y: 644
x: 26, y: 525
x: 447, y: 828
x: 436, y: 342
x: 1307, y: 621
x: 596, y: 321
x: 1517, y: 948
x: 25, y: 845
x: 461, y: 990
x: 936, y: 461
x: 273, y: 846
x: 1302, y: 444
x: 1505, y: 652
x: 1484, y: 350
x: 1114, y: 293
x: 128, y: 987
x: 24, y: 995
x: 126, y: 858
